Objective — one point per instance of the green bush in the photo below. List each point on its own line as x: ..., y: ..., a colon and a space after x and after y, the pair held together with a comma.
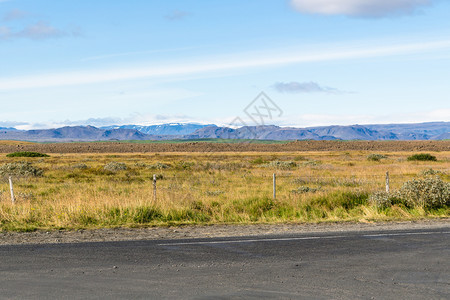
x: 422, y: 157
x: 383, y: 199
x: 27, y: 154
x: 430, y: 192
x: 376, y: 157
x: 21, y: 169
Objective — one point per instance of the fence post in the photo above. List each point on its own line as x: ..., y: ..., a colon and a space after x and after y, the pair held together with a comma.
x: 387, y: 182
x: 154, y: 187
x: 13, y: 199
x: 274, y: 186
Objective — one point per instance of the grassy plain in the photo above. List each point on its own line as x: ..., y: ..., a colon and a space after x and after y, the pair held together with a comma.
x: 76, y: 191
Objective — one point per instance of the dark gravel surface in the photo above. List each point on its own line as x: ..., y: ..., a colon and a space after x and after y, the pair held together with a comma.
x: 126, y: 234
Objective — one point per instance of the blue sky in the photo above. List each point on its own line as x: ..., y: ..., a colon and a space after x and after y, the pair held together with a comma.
x: 323, y: 62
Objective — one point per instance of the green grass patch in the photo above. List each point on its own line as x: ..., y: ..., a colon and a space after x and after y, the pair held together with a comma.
x: 422, y: 157
x: 27, y: 154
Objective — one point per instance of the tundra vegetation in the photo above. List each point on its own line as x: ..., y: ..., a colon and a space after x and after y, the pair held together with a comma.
x: 73, y: 191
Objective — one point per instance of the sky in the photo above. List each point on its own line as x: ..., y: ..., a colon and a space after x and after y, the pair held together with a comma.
x: 319, y: 62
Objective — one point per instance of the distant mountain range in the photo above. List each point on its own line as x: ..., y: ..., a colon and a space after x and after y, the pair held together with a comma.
x: 164, y: 129
x: 77, y: 133
x: 7, y: 128
x: 418, y: 131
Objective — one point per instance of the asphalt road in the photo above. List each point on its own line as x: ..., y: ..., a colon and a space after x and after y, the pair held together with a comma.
x: 411, y: 264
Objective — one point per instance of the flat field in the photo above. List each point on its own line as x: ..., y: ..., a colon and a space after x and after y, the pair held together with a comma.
x: 95, y: 190
x: 229, y: 146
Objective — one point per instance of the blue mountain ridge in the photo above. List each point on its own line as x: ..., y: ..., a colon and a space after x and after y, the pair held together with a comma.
x: 418, y: 131
x: 163, y: 129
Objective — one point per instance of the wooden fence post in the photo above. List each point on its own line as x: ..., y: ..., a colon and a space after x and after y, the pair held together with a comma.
x: 274, y: 186
x: 13, y: 199
x: 387, y: 182
x: 154, y: 187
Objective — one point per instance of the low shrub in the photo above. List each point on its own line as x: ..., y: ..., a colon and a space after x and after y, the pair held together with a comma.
x: 115, y: 167
x: 27, y: 154
x: 430, y: 171
x: 422, y: 157
x: 376, y: 157
x: 281, y: 164
x: 383, y: 199
x: 20, y: 169
x: 430, y: 192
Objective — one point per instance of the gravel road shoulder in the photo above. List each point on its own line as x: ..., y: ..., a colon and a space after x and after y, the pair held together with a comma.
x: 182, y: 232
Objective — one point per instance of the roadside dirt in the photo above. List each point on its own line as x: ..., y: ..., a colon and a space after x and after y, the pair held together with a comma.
x: 183, y: 232
x: 117, y: 147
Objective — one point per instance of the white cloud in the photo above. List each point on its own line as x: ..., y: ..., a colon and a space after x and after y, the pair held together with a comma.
x: 5, y: 32
x: 304, y: 87
x: 133, y: 119
x: 134, y: 53
x: 177, y: 15
x: 12, y: 124
x: 309, y: 120
x: 38, y: 31
x: 15, y: 14
x: 360, y: 8
x: 216, y: 65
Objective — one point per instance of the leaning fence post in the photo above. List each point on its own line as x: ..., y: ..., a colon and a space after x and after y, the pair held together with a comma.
x: 274, y: 186
x: 387, y: 182
x: 13, y: 199
x: 154, y: 187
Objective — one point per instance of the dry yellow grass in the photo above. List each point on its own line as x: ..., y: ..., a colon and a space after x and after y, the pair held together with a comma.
x: 77, y: 192
x: 13, y: 143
